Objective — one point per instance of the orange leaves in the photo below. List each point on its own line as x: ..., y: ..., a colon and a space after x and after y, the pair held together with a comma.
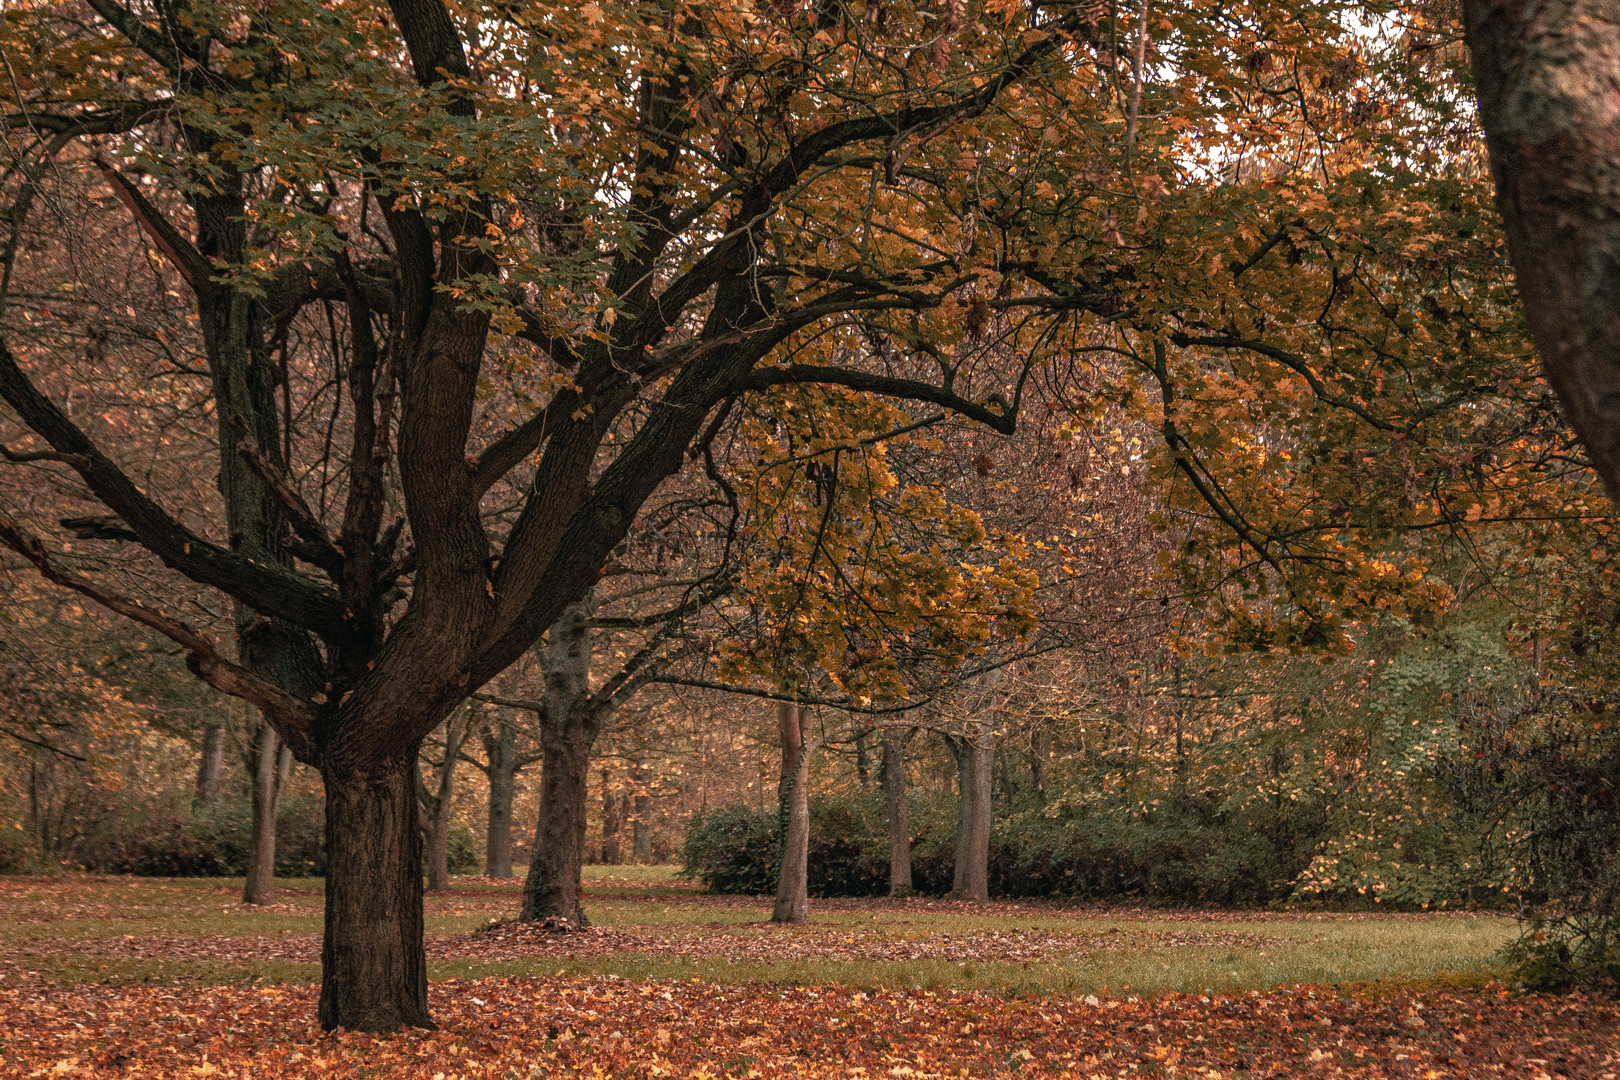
x: 521, y: 1028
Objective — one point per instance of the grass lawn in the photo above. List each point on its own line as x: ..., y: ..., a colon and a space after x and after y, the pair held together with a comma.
x: 77, y: 929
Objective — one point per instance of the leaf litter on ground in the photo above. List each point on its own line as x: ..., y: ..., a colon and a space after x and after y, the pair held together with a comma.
x: 604, y: 1027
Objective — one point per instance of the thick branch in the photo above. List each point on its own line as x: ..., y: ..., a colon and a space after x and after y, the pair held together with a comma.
x: 176, y: 247
x: 291, y: 715
x: 269, y: 589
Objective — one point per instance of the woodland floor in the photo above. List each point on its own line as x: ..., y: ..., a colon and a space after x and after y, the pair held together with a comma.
x: 155, y: 977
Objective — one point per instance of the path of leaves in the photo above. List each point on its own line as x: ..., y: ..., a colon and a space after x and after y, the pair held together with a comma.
x: 528, y: 1029
x: 509, y: 941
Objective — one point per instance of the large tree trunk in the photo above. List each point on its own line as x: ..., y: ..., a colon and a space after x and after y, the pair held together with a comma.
x: 500, y: 749
x: 975, y: 758
x: 373, y: 968
x: 211, y: 766
x: 894, y: 798
x: 1548, y: 78
x: 792, y: 881
x: 265, y: 759
x: 568, y: 727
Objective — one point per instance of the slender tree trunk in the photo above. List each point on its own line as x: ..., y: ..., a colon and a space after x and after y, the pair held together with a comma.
x: 641, y: 817
x: 792, y: 882
x: 862, y: 772
x: 211, y: 766
x: 894, y: 798
x: 261, y: 866
x: 441, y: 805
x: 373, y: 967
x: 500, y: 747
x: 568, y: 727
x: 975, y: 759
x: 612, y: 823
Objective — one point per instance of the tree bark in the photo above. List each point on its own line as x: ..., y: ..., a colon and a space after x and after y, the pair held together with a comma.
x: 569, y: 724
x: 975, y: 758
x: 894, y: 798
x: 1548, y: 77
x: 266, y: 773
x: 500, y: 750
x: 792, y: 882
x: 373, y: 968
x: 211, y: 766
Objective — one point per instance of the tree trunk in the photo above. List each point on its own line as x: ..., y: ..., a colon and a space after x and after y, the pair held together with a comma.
x: 211, y: 766
x: 500, y: 748
x: 1548, y: 78
x: 568, y: 727
x: 975, y: 758
x: 440, y: 805
x: 792, y: 882
x: 641, y: 816
x: 266, y: 774
x: 612, y: 823
x: 894, y: 798
x: 373, y: 967
x: 553, y: 884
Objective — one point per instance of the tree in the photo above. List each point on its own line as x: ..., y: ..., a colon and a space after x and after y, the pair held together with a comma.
x: 438, y: 802
x: 637, y: 210
x: 503, y: 761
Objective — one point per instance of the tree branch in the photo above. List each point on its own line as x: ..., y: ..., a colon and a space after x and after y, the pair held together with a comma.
x: 269, y: 589
x: 292, y: 715
x: 1005, y: 422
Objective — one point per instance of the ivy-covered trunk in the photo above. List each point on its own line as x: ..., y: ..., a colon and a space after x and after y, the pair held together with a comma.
x: 792, y: 883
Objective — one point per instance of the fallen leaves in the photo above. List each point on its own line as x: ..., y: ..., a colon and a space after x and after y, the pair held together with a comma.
x: 603, y: 1027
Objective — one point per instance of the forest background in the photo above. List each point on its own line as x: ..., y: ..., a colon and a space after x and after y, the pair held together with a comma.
x: 1288, y: 586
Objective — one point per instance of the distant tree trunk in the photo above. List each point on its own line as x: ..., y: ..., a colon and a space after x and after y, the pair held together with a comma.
x: 500, y: 749
x: 894, y: 798
x: 211, y: 766
x: 1546, y: 73
x: 612, y: 823
x: 569, y: 724
x: 793, y: 796
x: 1037, y: 760
x: 861, y: 771
x: 641, y: 816
x: 975, y: 760
x: 265, y: 761
x: 441, y: 804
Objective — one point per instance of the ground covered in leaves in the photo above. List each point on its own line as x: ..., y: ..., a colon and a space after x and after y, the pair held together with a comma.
x: 527, y: 1028
x: 165, y: 978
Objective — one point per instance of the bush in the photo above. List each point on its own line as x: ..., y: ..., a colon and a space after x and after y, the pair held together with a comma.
x: 462, y: 851
x: 731, y: 850
x: 213, y: 842
x: 1199, y: 854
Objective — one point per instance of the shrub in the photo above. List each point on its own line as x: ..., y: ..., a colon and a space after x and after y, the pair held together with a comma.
x: 731, y: 850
